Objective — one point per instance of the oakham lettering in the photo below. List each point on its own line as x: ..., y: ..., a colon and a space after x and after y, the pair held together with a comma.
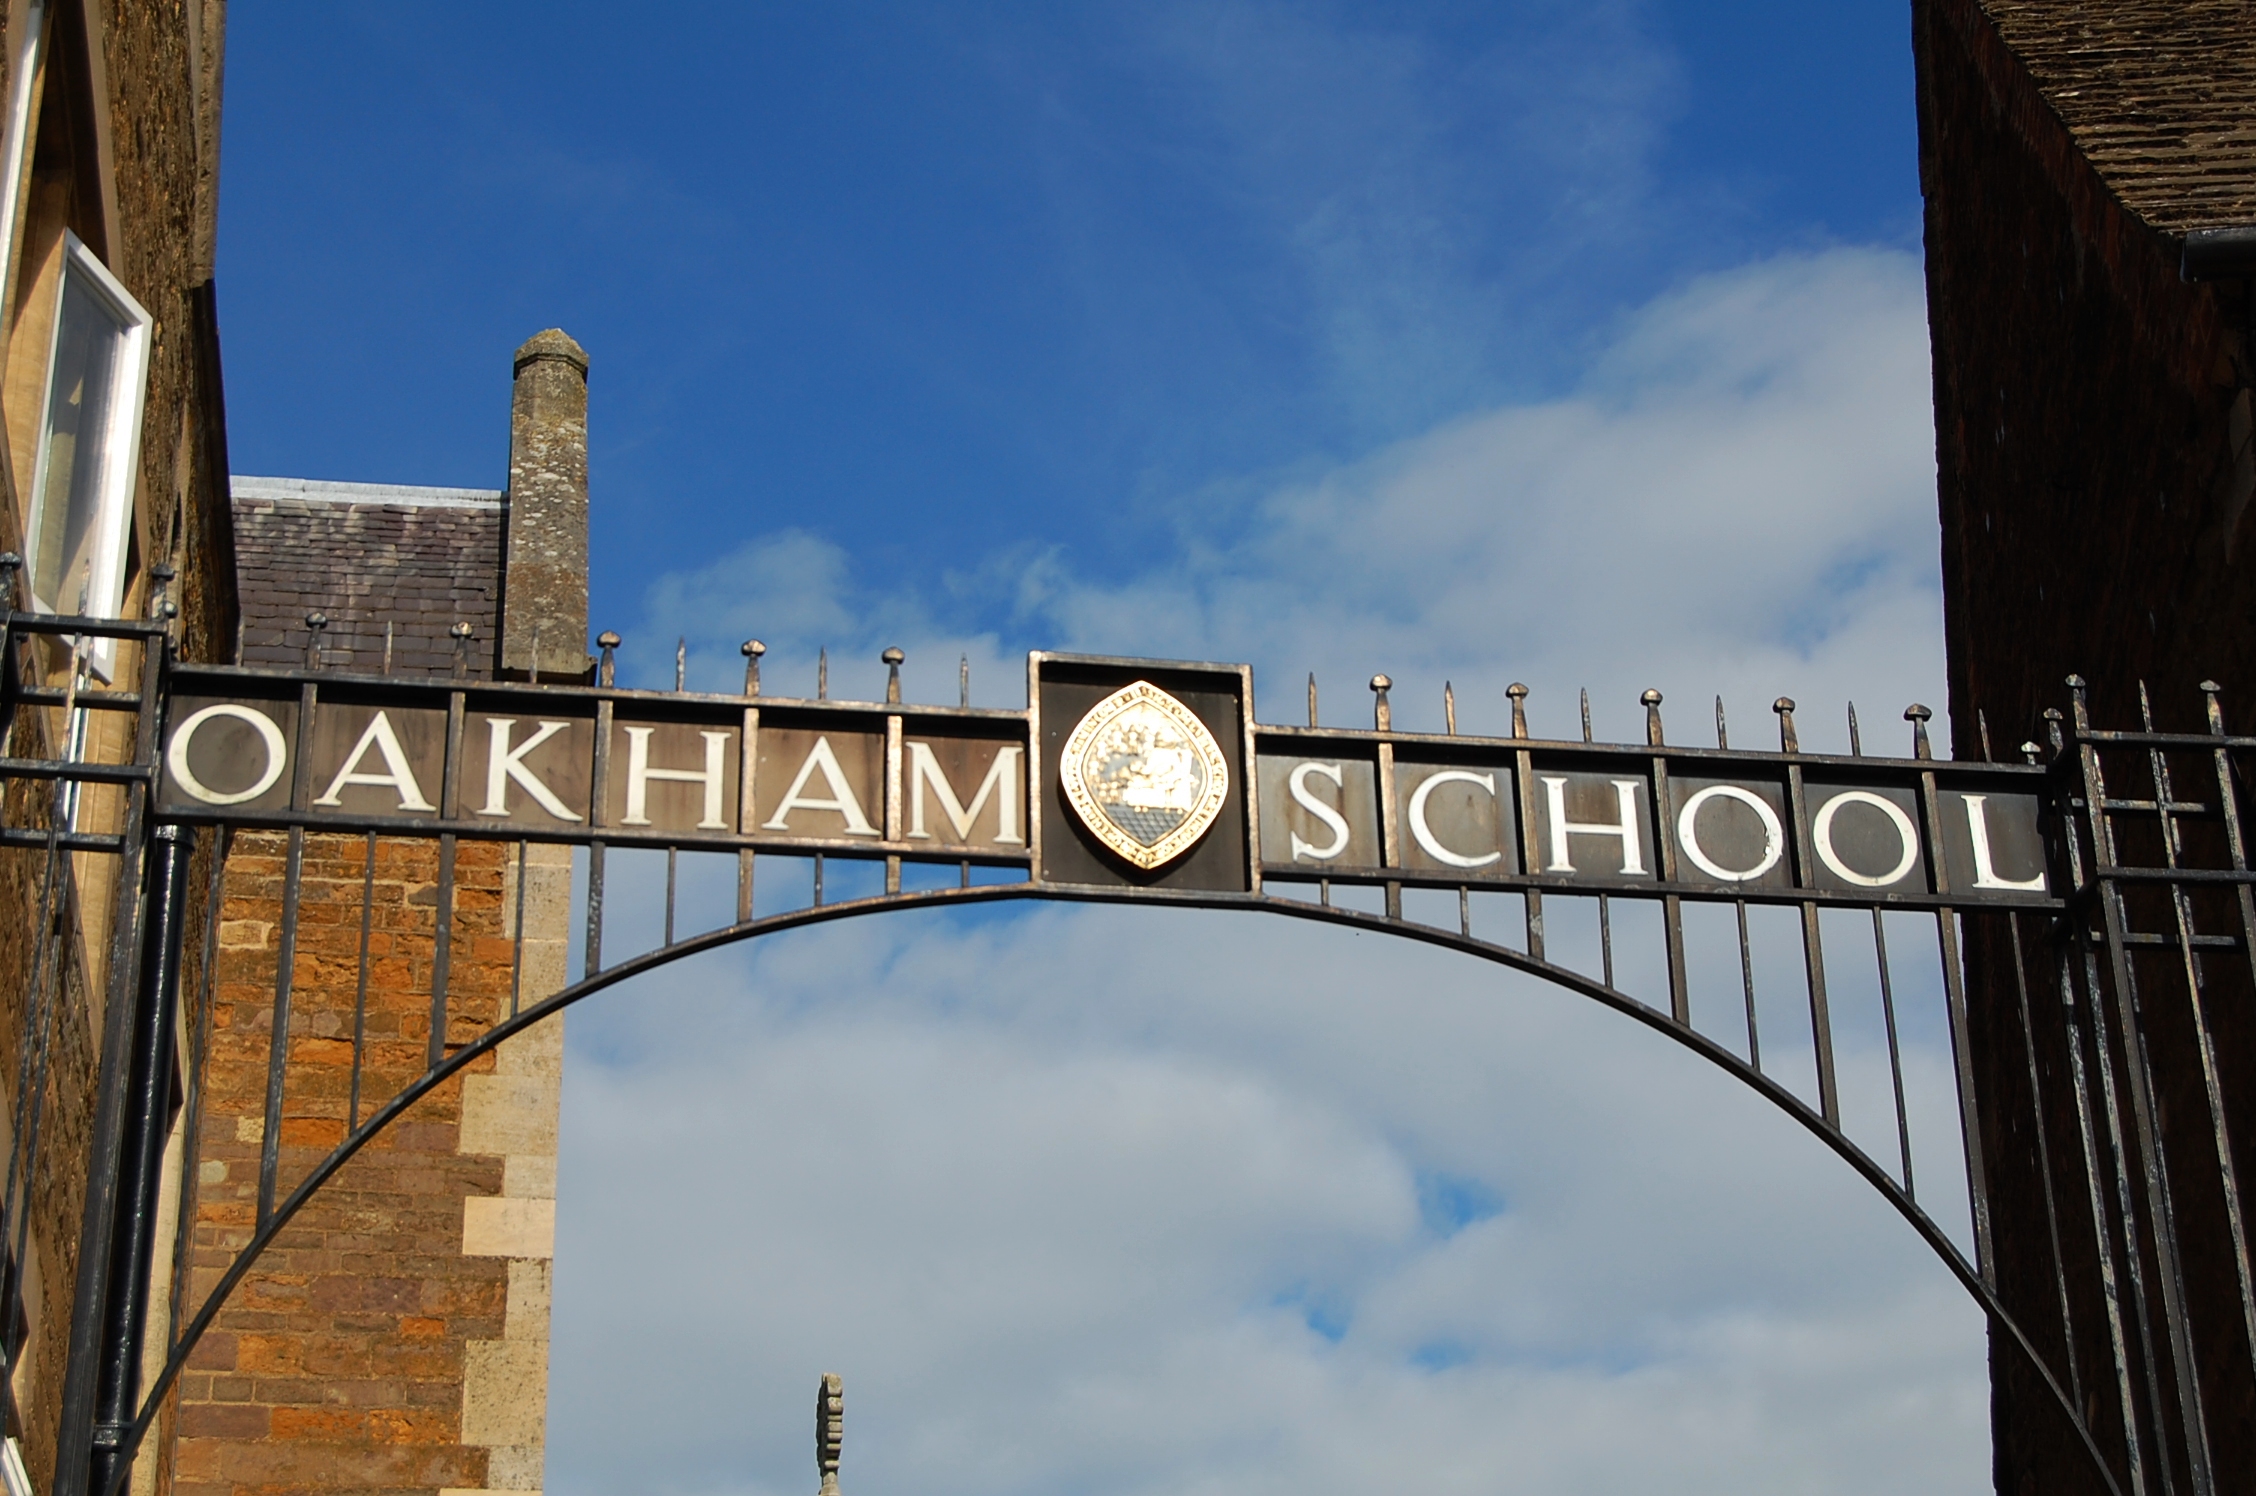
x: 821, y: 759
x: 911, y: 782
x: 1307, y: 800
x: 1001, y: 785
x: 397, y: 777
x: 711, y: 778
x: 505, y: 764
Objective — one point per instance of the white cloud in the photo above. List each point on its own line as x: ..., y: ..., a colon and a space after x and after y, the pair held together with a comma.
x: 1167, y: 1220
x: 1740, y: 499
x: 1136, y: 1202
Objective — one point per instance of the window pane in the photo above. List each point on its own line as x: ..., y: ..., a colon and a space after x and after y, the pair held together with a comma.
x: 71, y: 486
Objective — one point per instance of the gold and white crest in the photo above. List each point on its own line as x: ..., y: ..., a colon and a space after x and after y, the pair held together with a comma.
x: 1144, y: 774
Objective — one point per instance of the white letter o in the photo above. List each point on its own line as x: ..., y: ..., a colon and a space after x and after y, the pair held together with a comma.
x: 1821, y: 832
x: 277, y: 753
x: 1687, y: 833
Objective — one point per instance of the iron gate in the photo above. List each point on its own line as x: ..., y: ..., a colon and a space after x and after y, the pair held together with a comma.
x: 2090, y: 908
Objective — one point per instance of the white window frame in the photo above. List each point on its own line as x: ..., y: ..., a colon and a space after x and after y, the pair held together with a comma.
x: 120, y: 449
x: 17, y: 143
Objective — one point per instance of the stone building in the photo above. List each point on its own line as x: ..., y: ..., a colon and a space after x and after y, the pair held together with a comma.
x: 113, y: 465
x: 2089, y: 169
x: 395, y: 1338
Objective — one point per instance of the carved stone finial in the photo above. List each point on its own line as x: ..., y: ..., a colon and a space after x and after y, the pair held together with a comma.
x: 830, y: 1429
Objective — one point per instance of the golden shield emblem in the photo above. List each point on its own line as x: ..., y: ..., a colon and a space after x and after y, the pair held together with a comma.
x: 1144, y: 775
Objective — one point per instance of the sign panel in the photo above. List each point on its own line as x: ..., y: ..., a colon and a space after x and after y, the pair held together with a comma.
x: 1120, y: 773
x: 964, y: 792
x: 1178, y: 742
x: 1456, y: 818
x: 528, y: 769
x: 1320, y: 813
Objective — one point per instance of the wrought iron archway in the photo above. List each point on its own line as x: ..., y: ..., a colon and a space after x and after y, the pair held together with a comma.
x: 2118, y: 880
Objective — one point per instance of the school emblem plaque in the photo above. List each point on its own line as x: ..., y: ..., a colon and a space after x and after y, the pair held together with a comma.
x: 1144, y: 775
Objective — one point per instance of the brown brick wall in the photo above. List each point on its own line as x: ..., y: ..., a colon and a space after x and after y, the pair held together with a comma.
x: 339, y: 1364
x: 2092, y: 522
x: 2083, y: 398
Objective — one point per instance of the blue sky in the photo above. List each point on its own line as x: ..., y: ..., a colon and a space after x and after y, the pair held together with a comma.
x: 930, y: 281
x: 1579, y: 344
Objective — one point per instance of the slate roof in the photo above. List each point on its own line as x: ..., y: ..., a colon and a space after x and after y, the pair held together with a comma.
x: 367, y: 555
x: 2160, y: 96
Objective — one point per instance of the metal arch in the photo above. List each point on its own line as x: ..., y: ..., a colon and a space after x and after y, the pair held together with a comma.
x: 286, y: 1210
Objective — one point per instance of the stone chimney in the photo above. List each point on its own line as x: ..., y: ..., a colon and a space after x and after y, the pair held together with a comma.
x: 544, y: 585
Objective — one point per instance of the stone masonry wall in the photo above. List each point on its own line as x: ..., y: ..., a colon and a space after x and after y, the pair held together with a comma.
x: 159, y: 66
x: 394, y: 1339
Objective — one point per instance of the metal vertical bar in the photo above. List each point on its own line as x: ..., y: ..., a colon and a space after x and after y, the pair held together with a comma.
x: 89, y: 1305
x: 1390, y: 830
x: 1606, y: 938
x: 140, y: 1178
x: 1523, y: 789
x: 1747, y: 984
x: 599, y: 815
x: 278, y: 1026
x: 286, y: 955
x: 1895, y: 1050
x: 442, y: 952
x: 1605, y: 905
x: 2212, y: 1080
x: 1969, y: 1117
x: 1954, y: 995
x: 2044, y: 1157
x: 593, y: 961
x: 360, y: 981
x: 1672, y: 907
x: 2236, y: 844
x: 442, y: 931
x: 2161, y: 1219
x: 2079, y: 981
x: 2126, y: 1209
x: 746, y: 777
x: 1813, y: 943
x: 893, y: 752
x: 517, y: 927
x: 673, y: 872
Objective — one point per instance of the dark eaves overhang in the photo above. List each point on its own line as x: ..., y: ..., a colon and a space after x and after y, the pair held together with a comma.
x: 2219, y: 254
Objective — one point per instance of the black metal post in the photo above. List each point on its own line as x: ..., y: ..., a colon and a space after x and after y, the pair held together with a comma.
x: 74, y: 1437
x: 149, y: 1100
